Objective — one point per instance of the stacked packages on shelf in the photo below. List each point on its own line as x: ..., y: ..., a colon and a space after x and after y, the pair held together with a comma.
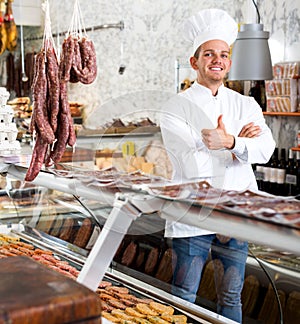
x: 284, y: 90
x: 8, y: 129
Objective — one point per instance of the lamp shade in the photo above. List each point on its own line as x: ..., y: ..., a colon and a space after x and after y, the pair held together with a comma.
x: 251, y: 59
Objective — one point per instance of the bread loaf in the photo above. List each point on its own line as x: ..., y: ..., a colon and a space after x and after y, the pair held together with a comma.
x: 269, y: 312
x: 129, y: 254
x: 56, y: 227
x: 292, y: 310
x: 84, y: 233
x: 166, y: 266
x: 140, y: 259
x: 45, y: 223
x: 250, y: 294
x: 152, y: 260
x: 67, y: 229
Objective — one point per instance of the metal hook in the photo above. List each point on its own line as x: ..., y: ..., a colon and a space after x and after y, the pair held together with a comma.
x: 24, y: 76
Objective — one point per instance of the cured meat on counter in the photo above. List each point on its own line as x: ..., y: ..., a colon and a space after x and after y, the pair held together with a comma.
x: 32, y: 293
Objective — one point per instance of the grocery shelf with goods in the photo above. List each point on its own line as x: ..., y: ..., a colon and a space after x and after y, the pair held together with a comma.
x: 281, y: 175
x: 283, y: 91
x: 138, y: 149
x: 131, y: 210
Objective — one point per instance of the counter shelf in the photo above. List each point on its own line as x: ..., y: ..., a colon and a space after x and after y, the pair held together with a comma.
x: 265, y: 233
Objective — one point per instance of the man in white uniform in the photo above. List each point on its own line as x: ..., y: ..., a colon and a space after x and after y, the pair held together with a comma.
x: 213, y: 132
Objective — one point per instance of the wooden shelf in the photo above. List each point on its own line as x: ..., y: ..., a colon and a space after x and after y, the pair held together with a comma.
x: 296, y: 148
x: 289, y: 114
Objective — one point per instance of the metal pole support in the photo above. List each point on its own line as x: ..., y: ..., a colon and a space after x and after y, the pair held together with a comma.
x: 101, y: 255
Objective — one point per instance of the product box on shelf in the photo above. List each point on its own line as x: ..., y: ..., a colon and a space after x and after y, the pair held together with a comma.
x: 282, y: 103
x: 286, y: 70
x: 281, y: 87
x: 283, y: 91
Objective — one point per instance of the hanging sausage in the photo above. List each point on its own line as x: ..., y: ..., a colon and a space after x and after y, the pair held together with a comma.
x: 3, y: 33
x: 51, y: 120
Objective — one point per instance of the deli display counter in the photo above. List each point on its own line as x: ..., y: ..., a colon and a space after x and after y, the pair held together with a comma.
x: 116, y: 224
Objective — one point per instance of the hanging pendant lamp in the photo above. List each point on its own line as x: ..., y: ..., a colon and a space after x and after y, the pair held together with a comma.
x: 251, y: 58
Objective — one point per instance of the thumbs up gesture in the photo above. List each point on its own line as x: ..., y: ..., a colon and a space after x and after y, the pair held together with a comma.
x: 217, y: 138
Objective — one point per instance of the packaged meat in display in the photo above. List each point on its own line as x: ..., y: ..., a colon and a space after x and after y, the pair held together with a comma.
x: 166, y: 266
x: 118, y: 302
x: 145, y: 259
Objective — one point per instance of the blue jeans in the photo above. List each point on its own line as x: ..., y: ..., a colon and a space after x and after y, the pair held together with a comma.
x: 229, y: 259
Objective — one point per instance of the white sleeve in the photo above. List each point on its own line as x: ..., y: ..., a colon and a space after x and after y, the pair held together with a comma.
x: 190, y: 158
x: 240, y: 149
x: 257, y: 149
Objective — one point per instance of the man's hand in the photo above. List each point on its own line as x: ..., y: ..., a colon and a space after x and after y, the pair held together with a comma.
x: 250, y: 130
x: 215, y: 139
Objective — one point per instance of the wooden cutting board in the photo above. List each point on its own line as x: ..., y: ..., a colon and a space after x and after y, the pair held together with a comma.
x: 31, y: 293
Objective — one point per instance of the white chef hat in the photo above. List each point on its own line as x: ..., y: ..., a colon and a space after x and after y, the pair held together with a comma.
x: 209, y: 24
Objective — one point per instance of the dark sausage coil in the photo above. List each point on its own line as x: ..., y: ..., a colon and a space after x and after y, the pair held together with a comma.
x: 85, y: 65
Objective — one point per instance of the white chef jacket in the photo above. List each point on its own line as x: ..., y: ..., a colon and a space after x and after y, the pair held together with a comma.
x: 183, y: 118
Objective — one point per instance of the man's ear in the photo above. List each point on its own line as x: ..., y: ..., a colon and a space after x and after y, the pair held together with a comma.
x: 229, y: 66
x: 193, y: 62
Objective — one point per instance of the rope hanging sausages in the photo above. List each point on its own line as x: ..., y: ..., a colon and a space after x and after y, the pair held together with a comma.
x: 51, y: 122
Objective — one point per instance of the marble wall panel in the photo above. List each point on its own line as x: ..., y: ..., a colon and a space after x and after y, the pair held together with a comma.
x: 152, y: 42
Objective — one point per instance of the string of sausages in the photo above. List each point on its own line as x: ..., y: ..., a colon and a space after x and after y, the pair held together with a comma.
x: 51, y: 119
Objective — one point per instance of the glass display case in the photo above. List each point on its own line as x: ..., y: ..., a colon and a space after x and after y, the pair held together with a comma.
x: 110, y: 227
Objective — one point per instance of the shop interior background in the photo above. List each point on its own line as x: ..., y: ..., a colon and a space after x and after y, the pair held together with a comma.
x: 152, y: 41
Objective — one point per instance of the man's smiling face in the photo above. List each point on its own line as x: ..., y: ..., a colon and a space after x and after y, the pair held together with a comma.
x: 213, y: 62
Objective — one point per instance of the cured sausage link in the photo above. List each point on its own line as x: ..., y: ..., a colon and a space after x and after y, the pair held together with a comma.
x: 76, y: 63
x: 61, y: 143
x: 53, y: 87
x: 39, y: 94
x: 37, y: 159
x: 72, y: 133
x: 66, y: 59
x: 65, y: 125
x: 85, y: 69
